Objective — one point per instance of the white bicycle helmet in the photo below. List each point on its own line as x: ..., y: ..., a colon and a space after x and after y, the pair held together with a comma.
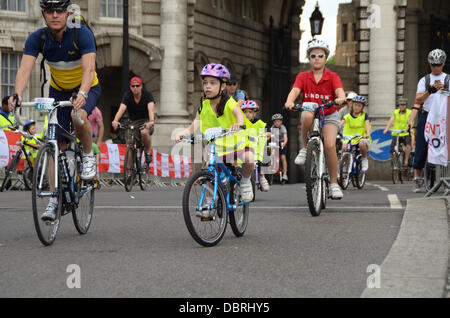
x: 317, y: 44
x: 437, y: 56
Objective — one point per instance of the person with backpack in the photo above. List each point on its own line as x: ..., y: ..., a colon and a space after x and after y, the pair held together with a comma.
x: 69, y: 48
x: 427, y: 88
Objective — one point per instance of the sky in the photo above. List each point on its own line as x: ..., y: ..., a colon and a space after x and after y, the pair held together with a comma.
x: 329, y: 9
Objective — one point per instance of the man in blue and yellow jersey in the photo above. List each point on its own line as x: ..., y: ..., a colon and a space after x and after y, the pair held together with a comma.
x: 72, y: 66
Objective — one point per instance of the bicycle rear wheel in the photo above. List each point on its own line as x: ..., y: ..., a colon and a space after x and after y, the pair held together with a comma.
x: 207, y: 231
x: 10, y: 170
x: 129, y: 169
x: 313, y: 178
x: 28, y: 177
x: 85, y: 193
x: 239, y: 216
x: 41, y: 195
x: 345, y: 170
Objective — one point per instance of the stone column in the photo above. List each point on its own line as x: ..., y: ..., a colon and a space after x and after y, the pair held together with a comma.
x: 173, y: 103
x: 411, y: 55
x: 383, y: 63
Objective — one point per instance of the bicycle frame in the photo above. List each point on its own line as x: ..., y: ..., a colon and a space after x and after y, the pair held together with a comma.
x: 353, y: 150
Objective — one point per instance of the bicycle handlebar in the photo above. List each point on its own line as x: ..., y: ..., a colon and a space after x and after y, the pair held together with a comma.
x: 299, y: 107
x: 192, y: 138
x: 56, y: 104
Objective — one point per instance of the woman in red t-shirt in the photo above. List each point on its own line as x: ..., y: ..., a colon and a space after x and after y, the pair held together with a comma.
x: 317, y: 85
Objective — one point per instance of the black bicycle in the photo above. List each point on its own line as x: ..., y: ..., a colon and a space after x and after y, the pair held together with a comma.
x: 61, y: 181
x: 135, y: 164
x: 27, y: 173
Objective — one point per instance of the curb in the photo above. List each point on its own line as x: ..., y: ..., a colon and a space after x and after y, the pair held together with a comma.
x: 418, y: 263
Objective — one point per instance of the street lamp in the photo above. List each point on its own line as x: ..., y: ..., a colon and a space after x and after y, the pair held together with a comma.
x: 316, y: 21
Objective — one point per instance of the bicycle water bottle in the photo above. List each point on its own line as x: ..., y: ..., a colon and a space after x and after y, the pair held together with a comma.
x: 225, y: 183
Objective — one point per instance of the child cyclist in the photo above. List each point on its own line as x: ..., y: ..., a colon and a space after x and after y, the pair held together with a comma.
x: 277, y: 123
x: 30, y: 129
x: 250, y: 109
x: 357, y: 123
x: 218, y: 109
x: 317, y: 85
x: 400, y: 119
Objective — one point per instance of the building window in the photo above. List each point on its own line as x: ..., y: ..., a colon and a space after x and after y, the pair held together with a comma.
x: 355, y: 32
x: 247, y: 9
x: 10, y: 64
x: 111, y: 8
x: 13, y: 5
x: 344, y: 32
x: 218, y: 4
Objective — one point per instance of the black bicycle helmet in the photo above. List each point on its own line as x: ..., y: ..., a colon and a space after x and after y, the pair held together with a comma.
x: 51, y: 4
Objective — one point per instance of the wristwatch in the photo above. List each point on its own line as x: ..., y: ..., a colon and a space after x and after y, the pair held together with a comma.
x: 84, y: 94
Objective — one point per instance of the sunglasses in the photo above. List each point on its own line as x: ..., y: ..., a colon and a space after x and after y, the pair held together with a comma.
x: 320, y: 56
x: 437, y: 65
x: 135, y: 86
x: 57, y: 10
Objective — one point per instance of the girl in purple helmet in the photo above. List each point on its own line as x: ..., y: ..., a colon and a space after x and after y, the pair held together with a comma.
x: 218, y: 109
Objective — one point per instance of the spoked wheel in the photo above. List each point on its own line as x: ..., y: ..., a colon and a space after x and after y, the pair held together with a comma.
x: 396, y: 172
x: 144, y: 174
x: 325, y: 194
x: 83, y: 211
x: 28, y: 177
x: 129, y: 169
x: 239, y: 216
x: 313, y: 178
x: 10, y: 170
x: 345, y: 170
x: 207, y: 227
x: 429, y: 176
x: 400, y: 160
x: 41, y: 195
x: 360, y: 177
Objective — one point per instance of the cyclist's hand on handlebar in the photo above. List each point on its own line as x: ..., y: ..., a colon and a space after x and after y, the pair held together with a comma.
x: 385, y: 132
x: 289, y: 105
x: 12, y: 102
x: 115, y: 124
x: 79, y: 102
x: 179, y: 137
x: 235, y: 127
x: 340, y: 101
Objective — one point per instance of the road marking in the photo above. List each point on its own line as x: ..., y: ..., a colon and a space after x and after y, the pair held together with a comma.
x: 394, y: 201
x: 381, y: 188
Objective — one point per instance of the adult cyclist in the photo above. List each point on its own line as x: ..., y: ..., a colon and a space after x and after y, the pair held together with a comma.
x: 72, y: 68
x: 317, y: 85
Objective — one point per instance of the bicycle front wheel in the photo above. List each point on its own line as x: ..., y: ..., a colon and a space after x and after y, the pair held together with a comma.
x: 313, y: 177
x: 239, y: 216
x: 395, y: 168
x: 28, y: 177
x: 360, y: 176
x: 345, y: 170
x: 207, y: 227
x: 129, y: 169
x: 143, y: 168
x: 83, y: 211
x: 43, y: 190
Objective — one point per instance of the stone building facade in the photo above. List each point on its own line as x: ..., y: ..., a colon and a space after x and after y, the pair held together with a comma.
x: 170, y: 41
x: 346, y: 35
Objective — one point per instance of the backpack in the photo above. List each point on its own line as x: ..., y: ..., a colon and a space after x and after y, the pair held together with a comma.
x: 75, y: 34
x: 446, y: 82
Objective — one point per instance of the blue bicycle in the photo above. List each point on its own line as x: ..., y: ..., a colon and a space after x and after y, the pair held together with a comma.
x: 212, y: 197
x: 350, y: 166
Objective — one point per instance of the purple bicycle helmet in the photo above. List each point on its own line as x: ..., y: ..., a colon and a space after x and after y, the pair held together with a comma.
x: 216, y: 70
x: 360, y: 99
x: 250, y: 104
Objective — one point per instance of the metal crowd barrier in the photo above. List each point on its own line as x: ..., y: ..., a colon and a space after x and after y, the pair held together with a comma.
x: 442, y: 178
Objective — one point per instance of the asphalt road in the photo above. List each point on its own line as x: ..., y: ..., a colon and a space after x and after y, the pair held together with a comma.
x: 138, y: 246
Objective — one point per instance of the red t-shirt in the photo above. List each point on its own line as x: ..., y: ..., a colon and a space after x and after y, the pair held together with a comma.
x: 316, y: 92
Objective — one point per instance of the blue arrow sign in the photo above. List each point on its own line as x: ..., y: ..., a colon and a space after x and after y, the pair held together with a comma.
x: 381, y: 145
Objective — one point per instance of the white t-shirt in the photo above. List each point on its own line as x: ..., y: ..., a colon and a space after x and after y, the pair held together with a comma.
x: 422, y: 89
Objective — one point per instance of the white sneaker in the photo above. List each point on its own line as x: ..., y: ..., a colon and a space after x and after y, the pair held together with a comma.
x: 364, y: 164
x: 285, y: 177
x: 50, y: 212
x: 89, y: 167
x: 301, y: 157
x: 335, y: 191
x: 246, y: 192
x: 264, y: 184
